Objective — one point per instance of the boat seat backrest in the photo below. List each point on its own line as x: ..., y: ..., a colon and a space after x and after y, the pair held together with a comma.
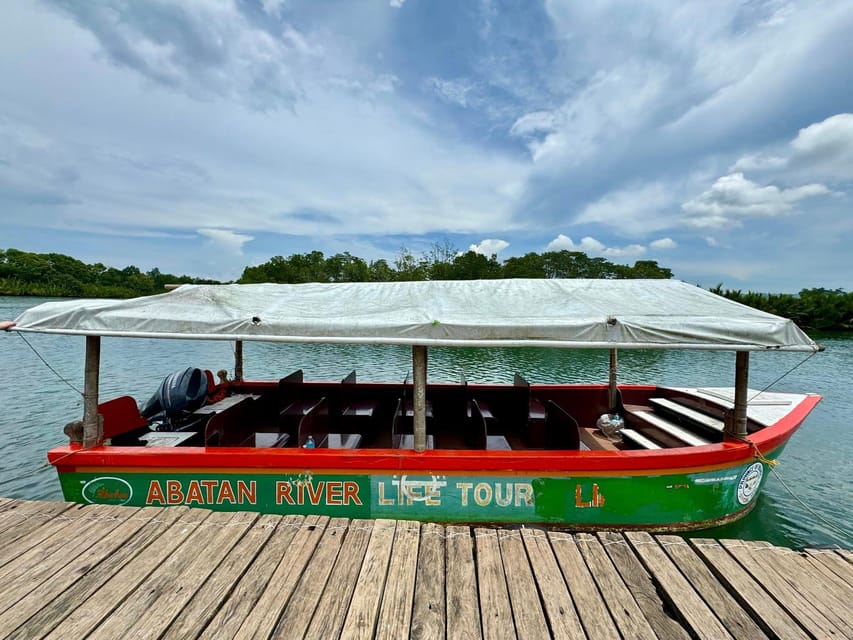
x: 120, y: 416
x: 230, y: 426
x: 289, y: 387
x: 314, y: 423
x: 397, y: 420
x: 561, y: 429
x: 477, y: 434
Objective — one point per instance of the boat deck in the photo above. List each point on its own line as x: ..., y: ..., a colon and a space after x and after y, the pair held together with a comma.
x: 69, y: 571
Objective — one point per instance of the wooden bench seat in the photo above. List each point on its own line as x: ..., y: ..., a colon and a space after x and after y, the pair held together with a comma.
x: 703, y: 419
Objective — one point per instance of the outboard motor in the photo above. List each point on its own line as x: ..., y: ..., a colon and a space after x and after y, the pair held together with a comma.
x: 181, y: 392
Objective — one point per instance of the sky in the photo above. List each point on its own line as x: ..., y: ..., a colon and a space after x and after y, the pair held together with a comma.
x: 204, y: 136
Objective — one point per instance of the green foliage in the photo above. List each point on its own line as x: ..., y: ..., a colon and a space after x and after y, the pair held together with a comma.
x: 812, y: 309
x: 54, y: 274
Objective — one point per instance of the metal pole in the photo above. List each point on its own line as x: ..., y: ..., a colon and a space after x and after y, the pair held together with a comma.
x: 613, y: 390
x: 92, y: 431
x: 238, y: 361
x: 741, y: 385
x: 419, y: 369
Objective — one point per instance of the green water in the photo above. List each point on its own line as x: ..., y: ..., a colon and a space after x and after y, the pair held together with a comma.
x: 814, y: 509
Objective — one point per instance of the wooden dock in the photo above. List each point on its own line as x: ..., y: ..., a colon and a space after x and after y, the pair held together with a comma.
x: 68, y: 571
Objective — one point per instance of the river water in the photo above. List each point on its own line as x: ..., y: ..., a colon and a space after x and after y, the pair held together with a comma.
x: 807, y: 501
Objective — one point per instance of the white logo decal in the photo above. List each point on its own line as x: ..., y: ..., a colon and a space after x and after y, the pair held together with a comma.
x: 749, y: 482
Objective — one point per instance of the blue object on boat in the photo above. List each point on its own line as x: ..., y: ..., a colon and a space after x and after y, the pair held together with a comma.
x: 181, y: 391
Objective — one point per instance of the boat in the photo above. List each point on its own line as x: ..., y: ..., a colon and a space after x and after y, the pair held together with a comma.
x: 599, y: 455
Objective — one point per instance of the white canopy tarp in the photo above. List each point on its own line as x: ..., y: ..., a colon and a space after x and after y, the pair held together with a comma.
x: 505, y: 313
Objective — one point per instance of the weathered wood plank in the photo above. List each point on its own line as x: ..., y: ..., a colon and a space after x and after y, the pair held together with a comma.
x: 50, y: 576
x: 559, y: 608
x: 495, y: 607
x: 157, y: 601
x: 762, y: 565
x: 834, y: 562
x: 594, y: 614
x: 90, y: 612
x: 687, y: 603
x: 22, y: 516
x: 243, y: 598
x: 45, y: 536
x: 263, y: 618
x: 330, y: 614
x: 395, y: 613
x: 640, y: 583
x: 523, y: 592
x: 625, y: 610
x: 200, y: 610
x: 39, y: 563
x: 738, y: 622
x: 429, y: 621
x: 766, y: 612
x: 463, y: 613
x: 297, y: 616
x: 364, y: 605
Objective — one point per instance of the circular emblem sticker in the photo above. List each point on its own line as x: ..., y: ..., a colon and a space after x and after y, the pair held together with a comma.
x: 107, y: 490
x: 749, y: 482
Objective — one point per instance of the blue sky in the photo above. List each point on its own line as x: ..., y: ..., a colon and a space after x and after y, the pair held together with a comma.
x: 202, y: 136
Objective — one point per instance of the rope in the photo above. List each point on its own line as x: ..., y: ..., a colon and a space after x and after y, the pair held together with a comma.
x: 802, y: 362
x: 758, y: 455
x: 56, y: 373
x: 830, y: 525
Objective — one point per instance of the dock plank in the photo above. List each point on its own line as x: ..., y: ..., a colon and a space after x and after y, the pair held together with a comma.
x: 429, y: 621
x: 364, y: 606
x: 678, y: 591
x: 201, y: 609
x: 594, y: 614
x: 253, y: 582
x: 737, y: 621
x: 330, y: 614
x: 766, y: 612
x: 495, y: 607
x: 174, y: 572
x: 562, y: 617
x: 625, y: 610
x: 23, y: 516
x: 463, y: 610
x: 523, y: 593
x: 265, y: 614
x: 642, y: 585
x: 49, y: 576
x: 297, y: 616
x: 90, y: 612
x: 159, y: 599
x: 395, y: 613
x: 763, y: 567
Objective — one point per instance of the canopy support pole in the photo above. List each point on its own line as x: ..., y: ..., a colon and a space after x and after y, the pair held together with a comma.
x: 741, y: 386
x: 613, y: 392
x: 238, y: 361
x: 419, y: 369
x: 93, y: 434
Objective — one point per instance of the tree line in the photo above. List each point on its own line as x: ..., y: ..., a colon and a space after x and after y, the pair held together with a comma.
x: 54, y: 274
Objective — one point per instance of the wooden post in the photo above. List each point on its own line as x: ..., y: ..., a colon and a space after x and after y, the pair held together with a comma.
x: 419, y: 369
x: 238, y: 361
x: 92, y: 430
x: 613, y: 390
x: 741, y: 385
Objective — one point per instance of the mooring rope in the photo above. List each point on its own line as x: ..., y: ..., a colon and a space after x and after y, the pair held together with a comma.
x: 802, y: 362
x: 47, y: 364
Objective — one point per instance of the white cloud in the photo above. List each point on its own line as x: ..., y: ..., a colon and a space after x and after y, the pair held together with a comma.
x: 827, y: 146
x: 733, y: 198
x: 273, y: 7
x: 457, y: 92
x: 758, y: 162
x: 711, y: 241
x: 663, y: 243
x: 396, y: 3
x: 621, y: 252
x: 637, y: 209
x: 489, y: 247
x: 229, y: 241
x: 565, y: 243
